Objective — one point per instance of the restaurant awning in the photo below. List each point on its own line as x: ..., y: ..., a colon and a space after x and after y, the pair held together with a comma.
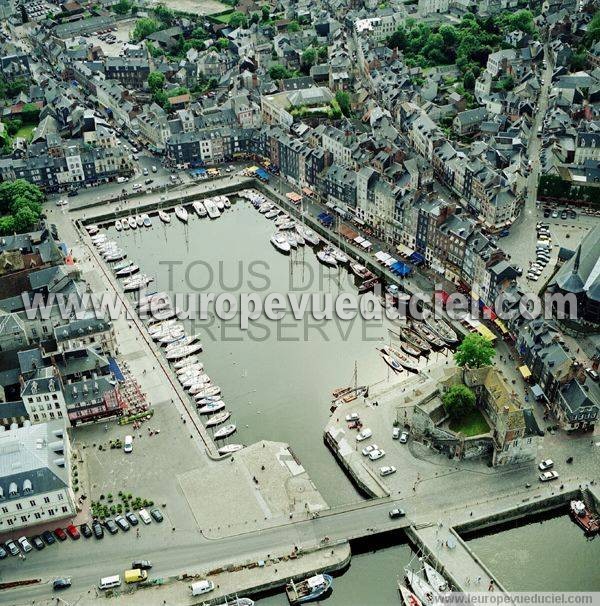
x: 525, y: 372
x: 486, y: 333
x: 293, y: 196
x: 306, y: 191
x: 404, y: 250
x: 347, y: 232
x: 417, y: 257
x: 366, y: 244
x: 501, y: 326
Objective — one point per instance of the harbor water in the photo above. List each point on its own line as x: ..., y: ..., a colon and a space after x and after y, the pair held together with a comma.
x: 277, y: 378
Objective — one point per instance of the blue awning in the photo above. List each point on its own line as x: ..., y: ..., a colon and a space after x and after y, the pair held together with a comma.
x: 417, y: 257
x: 114, y: 368
x: 261, y: 173
x: 199, y: 171
x: 400, y: 268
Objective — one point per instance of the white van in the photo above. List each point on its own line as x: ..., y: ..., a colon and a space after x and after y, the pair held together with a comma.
x: 202, y: 587
x: 137, y: 186
x: 128, y: 444
x: 109, y: 582
x: 145, y: 516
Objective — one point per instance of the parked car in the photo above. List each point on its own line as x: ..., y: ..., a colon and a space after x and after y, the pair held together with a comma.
x: 111, y: 526
x: 154, y: 169
x: 122, y: 523
x: 149, y: 181
x: 547, y: 476
x: 145, y: 172
x: 387, y: 470
x: 374, y: 455
x: 395, y: 433
x: 132, y: 519
x: 25, y: 544
x: 37, y: 542
x: 60, y: 534
x: 48, y: 537
x: 547, y: 464
x: 156, y: 514
x: 145, y: 517
x: 353, y: 416
x: 85, y: 531
x: 555, y: 214
x: 563, y: 215
x: 592, y: 374
x: 73, y: 532
x: 404, y: 437
x: 546, y: 213
x: 519, y: 270
x: 396, y: 513
x: 3, y: 553
x: 72, y: 193
x: 97, y: 530
x: 370, y: 448
x: 12, y: 548
x: 142, y: 564
x: 364, y: 434
x: 61, y: 583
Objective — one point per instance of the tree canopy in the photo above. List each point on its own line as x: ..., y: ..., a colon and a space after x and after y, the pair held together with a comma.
x: 143, y: 28
x: 279, y: 72
x: 343, y: 100
x: 475, y: 351
x: 20, y: 206
x: 123, y: 7
x: 458, y: 401
x: 238, y: 19
x: 156, y: 81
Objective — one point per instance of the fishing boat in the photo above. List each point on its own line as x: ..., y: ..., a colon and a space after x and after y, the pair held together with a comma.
x: 415, y: 340
x: 219, y: 418
x: 164, y: 217
x: 308, y: 234
x: 436, y: 580
x: 181, y: 213
x: 411, y: 350
x: 360, y: 271
x: 309, y: 590
x: 186, y: 361
x: 408, y: 597
x: 405, y: 361
x: 139, y: 220
x: 210, y: 391
x: 280, y: 242
x: 132, y: 222
x: 196, y: 366
x: 137, y: 282
x: 428, y: 335
x: 146, y: 220
x: 421, y: 588
x: 199, y: 208
x: 182, y: 352
x: 230, y: 449
x: 235, y: 601
x: 118, y: 225
x: 583, y: 517
x: 368, y: 285
x: 441, y: 329
x: 211, y: 209
x: 127, y: 271
x: 210, y: 407
x: 392, y: 362
x: 326, y: 258
x: 225, y: 432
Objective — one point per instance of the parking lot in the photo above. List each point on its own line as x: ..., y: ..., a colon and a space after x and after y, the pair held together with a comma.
x: 111, y: 40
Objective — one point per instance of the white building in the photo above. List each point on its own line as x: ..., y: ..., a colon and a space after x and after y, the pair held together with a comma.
x: 35, y: 477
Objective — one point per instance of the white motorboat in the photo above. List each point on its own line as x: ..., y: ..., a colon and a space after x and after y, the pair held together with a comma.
x: 186, y: 361
x: 220, y: 203
x: 289, y: 224
x: 147, y: 221
x: 127, y: 271
x: 218, y: 419
x: 165, y: 314
x: 211, y: 407
x: 181, y: 213
x: 125, y: 224
x: 202, y: 388
x: 183, y: 352
x: 326, y: 258
x: 308, y: 234
x: 199, y: 208
x: 264, y: 208
x: 91, y: 228
x: 225, y: 432
x: 299, y: 239
x: 291, y: 238
x: 170, y: 336
x: 156, y: 328
x: 99, y: 238
x: 421, y: 588
x: 200, y: 379
x: 115, y: 255
x: 408, y: 597
x: 226, y: 201
x: 137, y: 282
x: 132, y: 222
x: 360, y: 271
x: 436, y: 580
x: 280, y: 242
x: 339, y: 256
x: 225, y: 450
x: 164, y: 217
x: 139, y: 220
x: 147, y: 299
x: 208, y: 400
x: 184, y: 342
x: 272, y: 214
x: 154, y: 306
x: 121, y: 265
x: 118, y: 225
x: 211, y: 390
x: 196, y: 366
x: 211, y: 209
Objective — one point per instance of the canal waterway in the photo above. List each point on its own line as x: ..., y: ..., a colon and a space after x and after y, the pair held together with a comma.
x: 277, y: 378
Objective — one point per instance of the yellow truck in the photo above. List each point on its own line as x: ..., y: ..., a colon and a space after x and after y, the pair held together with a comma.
x: 135, y: 576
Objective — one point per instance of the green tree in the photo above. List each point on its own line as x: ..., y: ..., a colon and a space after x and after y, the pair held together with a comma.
x: 469, y: 81
x: 143, y: 28
x: 223, y: 43
x: 123, y: 7
x: 278, y: 72
x: 458, y: 401
x: 293, y: 26
x: 309, y: 57
x: 238, y: 19
x: 475, y: 351
x: 30, y: 113
x: 156, y: 81
x: 343, y: 101
x: 593, y: 30
x: 265, y: 13
x: 397, y: 39
x: 165, y: 15
x: 20, y: 206
x: 521, y: 20
x: 12, y: 126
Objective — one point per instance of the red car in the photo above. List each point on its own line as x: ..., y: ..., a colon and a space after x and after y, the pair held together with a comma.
x: 73, y: 532
x: 60, y: 534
